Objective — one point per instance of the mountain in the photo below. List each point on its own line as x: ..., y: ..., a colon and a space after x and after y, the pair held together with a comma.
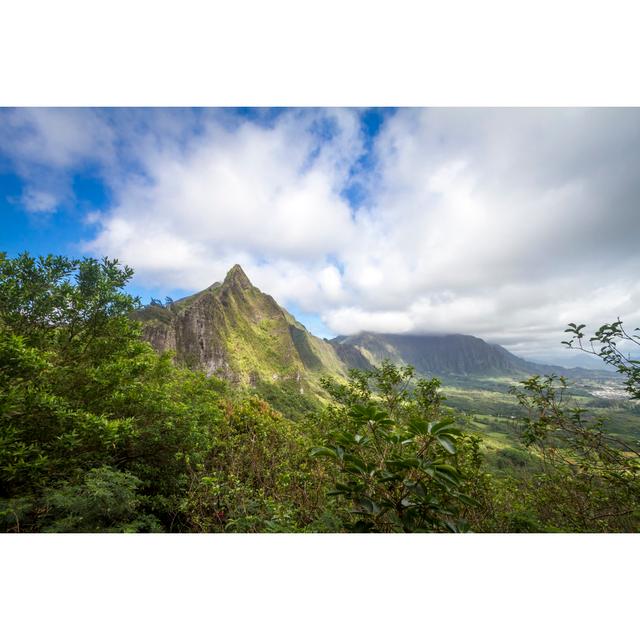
x: 237, y: 332
x: 453, y: 354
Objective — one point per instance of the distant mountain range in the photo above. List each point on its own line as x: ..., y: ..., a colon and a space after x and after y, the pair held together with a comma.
x: 235, y: 331
x: 454, y: 354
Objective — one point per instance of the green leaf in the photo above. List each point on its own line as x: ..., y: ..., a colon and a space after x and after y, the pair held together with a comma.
x: 368, y: 506
x: 418, y: 426
x: 446, y: 444
x: 441, y: 425
x: 468, y: 500
x: 323, y: 452
x: 355, y: 464
x: 447, y: 473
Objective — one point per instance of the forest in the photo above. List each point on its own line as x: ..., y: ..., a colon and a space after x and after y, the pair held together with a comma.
x: 99, y: 432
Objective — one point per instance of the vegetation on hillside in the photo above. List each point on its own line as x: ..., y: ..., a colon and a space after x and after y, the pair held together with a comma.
x: 99, y: 432
x: 235, y: 331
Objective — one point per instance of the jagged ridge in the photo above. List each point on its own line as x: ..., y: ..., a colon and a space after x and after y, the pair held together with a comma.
x: 235, y: 331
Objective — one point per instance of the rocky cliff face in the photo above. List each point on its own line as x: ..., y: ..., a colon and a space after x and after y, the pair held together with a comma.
x: 235, y: 331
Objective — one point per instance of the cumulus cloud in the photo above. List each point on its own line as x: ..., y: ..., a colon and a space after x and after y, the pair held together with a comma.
x: 511, y: 222
x: 503, y: 223
x: 268, y: 197
x: 46, y: 145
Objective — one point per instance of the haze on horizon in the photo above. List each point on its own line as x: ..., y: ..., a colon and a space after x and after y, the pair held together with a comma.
x: 501, y: 223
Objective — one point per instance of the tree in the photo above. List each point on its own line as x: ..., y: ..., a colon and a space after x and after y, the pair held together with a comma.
x: 605, y: 344
x: 589, y: 480
x: 79, y: 390
x: 59, y: 302
x: 98, y: 432
x: 395, y: 456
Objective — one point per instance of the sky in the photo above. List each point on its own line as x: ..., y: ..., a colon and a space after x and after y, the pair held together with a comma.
x: 502, y: 223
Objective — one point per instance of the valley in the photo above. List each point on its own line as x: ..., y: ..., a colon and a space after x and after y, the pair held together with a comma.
x: 486, y: 406
x: 235, y: 331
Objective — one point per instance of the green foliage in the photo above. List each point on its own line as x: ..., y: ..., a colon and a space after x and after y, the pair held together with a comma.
x: 286, y: 398
x: 397, y: 468
x: 106, y: 500
x: 99, y: 432
x: 607, y: 343
x: 63, y: 302
x: 101, y: 500
x: 589, y: 480
x: 257, y: 477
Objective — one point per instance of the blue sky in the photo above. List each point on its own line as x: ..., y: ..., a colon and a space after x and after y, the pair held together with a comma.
x: 59, y: 231
x: 63, y: 229
x: 501, y: 223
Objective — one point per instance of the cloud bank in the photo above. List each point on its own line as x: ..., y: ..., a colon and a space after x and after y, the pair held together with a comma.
x: 502, y: 223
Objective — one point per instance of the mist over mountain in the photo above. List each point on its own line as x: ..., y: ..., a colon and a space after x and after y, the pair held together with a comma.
x: 455, y: 354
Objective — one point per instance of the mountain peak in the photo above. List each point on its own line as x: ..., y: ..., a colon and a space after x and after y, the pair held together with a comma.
x: 236, y: 276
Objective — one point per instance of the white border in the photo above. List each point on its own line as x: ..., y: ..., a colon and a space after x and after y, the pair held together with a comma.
x: 79, y: 52
x: 318, y: 586
x: 305, y: 53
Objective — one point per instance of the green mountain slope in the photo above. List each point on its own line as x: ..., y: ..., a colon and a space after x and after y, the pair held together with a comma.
x: 235, y: 331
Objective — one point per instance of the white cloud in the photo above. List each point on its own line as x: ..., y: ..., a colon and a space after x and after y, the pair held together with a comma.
x: 39, y: 201
x: 93, y: 217
x: 501, y: 223
x: 267, y: 197
x: 55, y: 138
x: 346, y: 320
